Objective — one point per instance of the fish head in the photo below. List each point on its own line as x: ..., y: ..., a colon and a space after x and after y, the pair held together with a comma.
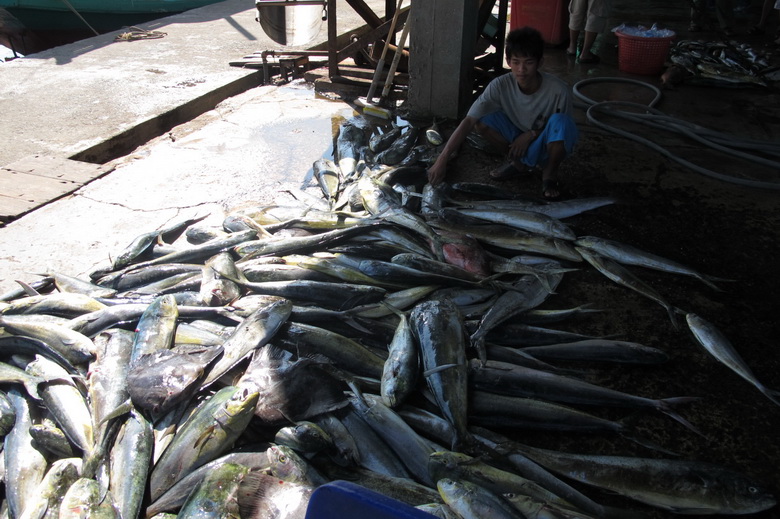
x: 306, y: 436
x: 743, y: 495
x: 286, y: 464
x: 446, y: 463
x: 243, y: 401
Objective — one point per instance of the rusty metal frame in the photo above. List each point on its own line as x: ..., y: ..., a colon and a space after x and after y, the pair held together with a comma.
x: 379, y: 29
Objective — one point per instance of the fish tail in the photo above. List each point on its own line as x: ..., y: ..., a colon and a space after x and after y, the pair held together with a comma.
x: 666, y: 408
x: 588, y: 308
x: 772, y: 395
x: 353, y: 322
x: 31, y: 386
x: 648, y: 444
x: 673, y: 311
x: 710, y: 281
x: 628, y: 431
x: 478, y: 343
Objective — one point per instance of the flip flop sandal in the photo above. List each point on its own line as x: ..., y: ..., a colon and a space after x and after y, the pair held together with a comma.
x: 590, y: 61
x: 550, y: 185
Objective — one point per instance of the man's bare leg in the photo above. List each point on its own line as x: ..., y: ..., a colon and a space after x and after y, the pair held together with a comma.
x: 556, y: 153
x: 492, y: 135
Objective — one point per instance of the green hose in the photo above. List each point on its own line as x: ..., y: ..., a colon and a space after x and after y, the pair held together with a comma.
x: 652, y: 117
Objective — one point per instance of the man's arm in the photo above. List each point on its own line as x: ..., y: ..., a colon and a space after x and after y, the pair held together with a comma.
x: 438, y: 171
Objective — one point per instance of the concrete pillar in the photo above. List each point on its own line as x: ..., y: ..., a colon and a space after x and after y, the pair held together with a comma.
x: 442, y: 41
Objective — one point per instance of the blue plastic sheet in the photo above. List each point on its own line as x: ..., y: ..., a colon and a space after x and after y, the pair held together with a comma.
x: 345, y: 500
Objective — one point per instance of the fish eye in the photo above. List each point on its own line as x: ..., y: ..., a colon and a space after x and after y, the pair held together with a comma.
x: 753, y: 490
x: 282, y: 458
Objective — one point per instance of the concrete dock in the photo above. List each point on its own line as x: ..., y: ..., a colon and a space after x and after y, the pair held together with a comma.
x: 97, y: 99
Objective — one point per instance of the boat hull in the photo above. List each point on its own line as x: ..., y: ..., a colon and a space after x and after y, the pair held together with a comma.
x: 102, y: 15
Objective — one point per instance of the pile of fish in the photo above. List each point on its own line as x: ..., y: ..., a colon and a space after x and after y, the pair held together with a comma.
x: 385, y: 333
x: 724, y: 63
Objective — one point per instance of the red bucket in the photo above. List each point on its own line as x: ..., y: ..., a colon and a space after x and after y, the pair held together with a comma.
x: 641, y: 54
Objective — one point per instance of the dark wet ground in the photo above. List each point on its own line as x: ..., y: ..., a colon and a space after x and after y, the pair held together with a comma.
x: 719, y: 228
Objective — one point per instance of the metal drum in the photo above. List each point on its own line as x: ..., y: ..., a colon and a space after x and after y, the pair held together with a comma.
x: 291, y: 22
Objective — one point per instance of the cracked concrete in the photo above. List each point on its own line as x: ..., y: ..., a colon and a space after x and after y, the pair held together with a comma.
x: 249, y: 149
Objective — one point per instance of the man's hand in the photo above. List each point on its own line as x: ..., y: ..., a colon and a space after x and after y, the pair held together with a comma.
x: 437, y: 172
x: 520, y: 144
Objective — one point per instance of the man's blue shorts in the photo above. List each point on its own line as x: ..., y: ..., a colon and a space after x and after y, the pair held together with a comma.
x: 560, y: 127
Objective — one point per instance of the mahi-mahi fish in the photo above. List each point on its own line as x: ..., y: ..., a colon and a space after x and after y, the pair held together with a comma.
x: 721, y: 348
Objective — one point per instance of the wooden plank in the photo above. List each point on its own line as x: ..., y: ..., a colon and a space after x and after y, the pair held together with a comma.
x: 34, y: 188
x: 11, y: 208
x: 56, y: 168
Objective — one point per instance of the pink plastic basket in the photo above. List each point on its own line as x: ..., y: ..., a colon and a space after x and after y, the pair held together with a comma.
x: 642, y: 55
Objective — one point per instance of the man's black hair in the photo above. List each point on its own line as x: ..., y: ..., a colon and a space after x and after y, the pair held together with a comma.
x: 525, y: 41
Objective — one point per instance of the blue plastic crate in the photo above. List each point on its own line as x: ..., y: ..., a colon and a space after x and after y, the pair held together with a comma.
x: 345, y: 500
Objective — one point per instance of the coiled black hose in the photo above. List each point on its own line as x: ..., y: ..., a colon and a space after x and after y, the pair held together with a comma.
x: 648, y: 115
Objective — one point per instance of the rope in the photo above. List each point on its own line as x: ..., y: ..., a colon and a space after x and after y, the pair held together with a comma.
x: 136, y: 33
x: 80, y: 17
x: 648, y: 115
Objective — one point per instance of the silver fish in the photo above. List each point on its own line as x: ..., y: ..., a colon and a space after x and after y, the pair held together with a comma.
x: 529, y: 221
x: 683, y: 487
x: 130, y: 460
x: 379, y: 142
x: 255, y: 331
x: 622, y: 276
x: 204, y: 437
x: 216, y: 497
x: 66, y: 402
x: 25, y: 465
x: 439, y: 330
x: 401, y: 370
x: 525, y: 294
x: 630, y: 255
x: 328, y: 177
x: 719, y: 346
x: 471, y: 501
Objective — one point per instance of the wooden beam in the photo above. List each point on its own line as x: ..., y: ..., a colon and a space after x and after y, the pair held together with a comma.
x: 365, y: 12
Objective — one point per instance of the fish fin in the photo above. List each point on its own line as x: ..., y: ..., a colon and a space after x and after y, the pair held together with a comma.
x: 354, y: 323
x: 251, y: 493
x: 666, y: 408
x: 122, y: 409
x: 628, y: 432
x: 30, y: 291
x: 772, y: 395
x: 711, y: 280
x: 31, y: 386
x: 673, y: 311
x: 648, y: 444
x: 200, y: 442
x: 478, y: 343
x: 588, y: 308
x: 437, y: 369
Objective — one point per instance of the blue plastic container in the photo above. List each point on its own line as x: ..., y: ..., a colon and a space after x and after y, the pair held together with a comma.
x: 345, y: 500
